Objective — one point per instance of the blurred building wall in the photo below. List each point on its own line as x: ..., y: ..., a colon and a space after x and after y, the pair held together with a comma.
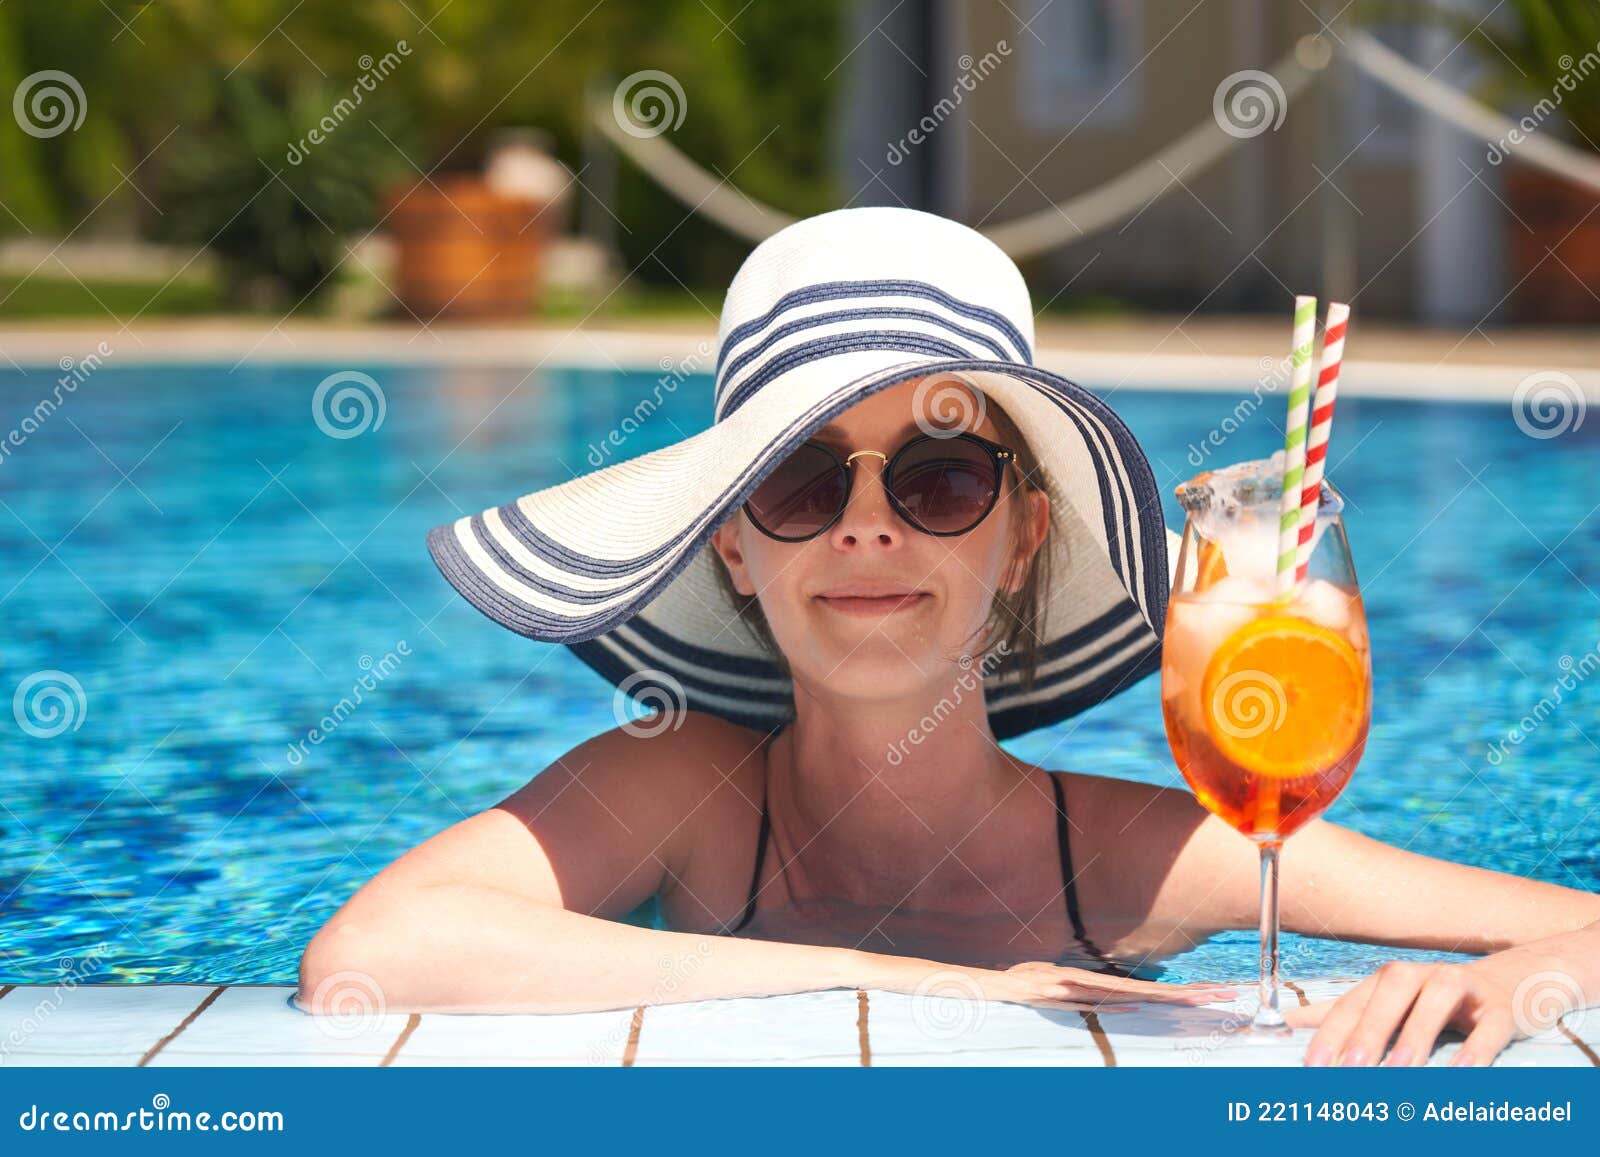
x: 1081, y: 90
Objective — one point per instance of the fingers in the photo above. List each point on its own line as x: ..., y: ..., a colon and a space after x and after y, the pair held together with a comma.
x: 1153, y: 989
x: 1368, y: 1039
x: 1338, y: 1021
x: 1491, y: 1034
x: 1435, y: 1005
x: 1307, y: 1015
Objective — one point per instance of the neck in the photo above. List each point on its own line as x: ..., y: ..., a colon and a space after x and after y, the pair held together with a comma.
x: 889, y: 788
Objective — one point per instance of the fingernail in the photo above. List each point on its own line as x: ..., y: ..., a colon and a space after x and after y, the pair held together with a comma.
x: 1354, y: 1056
x: 1462, y: 1058
x: 1317, y: 1055
x: 1399, y: 1055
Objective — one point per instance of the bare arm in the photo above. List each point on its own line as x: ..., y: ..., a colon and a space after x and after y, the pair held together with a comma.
x: 1178, y: 865
x: 1340, y: 883
x: 514, y: 909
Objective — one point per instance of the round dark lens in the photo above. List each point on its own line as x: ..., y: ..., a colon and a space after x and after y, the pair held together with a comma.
x: 945, y: 485
x: 800, y: 497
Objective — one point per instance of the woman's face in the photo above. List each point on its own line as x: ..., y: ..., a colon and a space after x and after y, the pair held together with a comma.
x: 893, y: 647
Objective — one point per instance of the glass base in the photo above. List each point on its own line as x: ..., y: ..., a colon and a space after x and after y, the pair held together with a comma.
x: 1269, y: 1022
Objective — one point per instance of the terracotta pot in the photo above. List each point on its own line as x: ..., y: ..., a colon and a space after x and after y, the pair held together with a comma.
x: 464, y: 250
x: 1557, y: 257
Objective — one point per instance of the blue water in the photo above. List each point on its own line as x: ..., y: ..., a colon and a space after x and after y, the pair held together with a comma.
x: 215, y: 572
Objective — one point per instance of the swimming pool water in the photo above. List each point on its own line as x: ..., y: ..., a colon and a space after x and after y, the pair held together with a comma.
x: 216, y: 573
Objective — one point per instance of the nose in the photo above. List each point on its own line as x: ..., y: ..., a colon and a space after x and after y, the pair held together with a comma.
x: 867, y: 517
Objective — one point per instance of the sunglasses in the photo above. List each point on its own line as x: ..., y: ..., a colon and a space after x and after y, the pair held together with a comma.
x: 941, y: 485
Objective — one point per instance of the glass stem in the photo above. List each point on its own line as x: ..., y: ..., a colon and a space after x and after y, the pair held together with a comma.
x: 1268, y: 1015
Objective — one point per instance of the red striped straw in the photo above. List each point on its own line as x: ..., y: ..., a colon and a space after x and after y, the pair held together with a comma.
x: 1321, y: 425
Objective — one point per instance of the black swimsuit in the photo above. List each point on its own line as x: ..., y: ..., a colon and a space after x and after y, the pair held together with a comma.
x: 1063, y: 846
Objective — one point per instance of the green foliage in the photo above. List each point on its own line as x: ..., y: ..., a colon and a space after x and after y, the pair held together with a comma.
x: 192, y: 104
x: 275, y: 206
x: 1551, y: 49
x: 1533, y: 50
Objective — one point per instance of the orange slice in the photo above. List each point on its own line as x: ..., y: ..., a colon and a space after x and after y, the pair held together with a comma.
x: 1284, y: 697
x: 1212, y: 566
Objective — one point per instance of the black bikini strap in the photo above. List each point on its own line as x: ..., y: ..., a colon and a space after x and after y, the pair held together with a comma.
x: 1064, y: 847
x: 761, y: 843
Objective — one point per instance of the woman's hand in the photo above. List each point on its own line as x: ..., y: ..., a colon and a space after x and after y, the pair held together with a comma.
x: 1504, y: 997
x: 1047, y: 985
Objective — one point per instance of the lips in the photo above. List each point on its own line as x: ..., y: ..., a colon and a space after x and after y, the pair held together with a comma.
x: 868, y: 599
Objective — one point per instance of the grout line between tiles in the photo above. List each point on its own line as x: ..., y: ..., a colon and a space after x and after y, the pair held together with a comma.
x: 631, y: 1052
x: 1579, y: 1041
x: 183, y: 1024
x: 412, y: 1022
x: 1103, y: 1042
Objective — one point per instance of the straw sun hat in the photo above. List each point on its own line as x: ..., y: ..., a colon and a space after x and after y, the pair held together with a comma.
x: 616, y: 564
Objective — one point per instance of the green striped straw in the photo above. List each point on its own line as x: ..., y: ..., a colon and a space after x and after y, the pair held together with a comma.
x: 1294, y: 442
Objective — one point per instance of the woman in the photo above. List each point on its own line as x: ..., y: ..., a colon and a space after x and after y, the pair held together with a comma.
x: 898, y: 543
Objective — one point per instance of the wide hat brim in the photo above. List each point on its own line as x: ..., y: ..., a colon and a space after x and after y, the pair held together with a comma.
x: 616, y: 564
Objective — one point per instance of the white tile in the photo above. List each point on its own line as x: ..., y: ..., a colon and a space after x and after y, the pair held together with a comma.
x: 804, y: 1028
x: 912, y: 1030
x: 91, y: 1024
x: 256, y: 1025
x: 587, y: 1038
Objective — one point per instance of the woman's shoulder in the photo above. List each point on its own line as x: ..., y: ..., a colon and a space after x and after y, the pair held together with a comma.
x: 1108, y: 803
x: 665, y: 761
